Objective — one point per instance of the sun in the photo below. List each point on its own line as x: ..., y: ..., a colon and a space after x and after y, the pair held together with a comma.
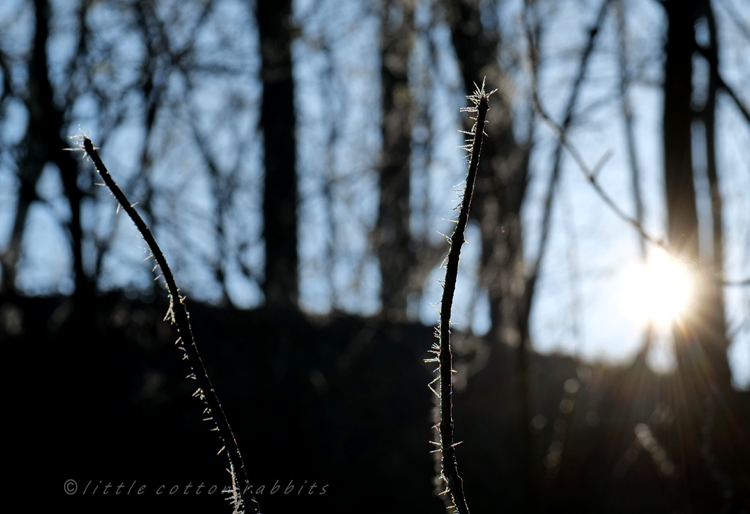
x: 659, y: 290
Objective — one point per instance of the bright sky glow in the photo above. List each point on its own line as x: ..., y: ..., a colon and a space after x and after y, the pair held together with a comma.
x: 659, y: 290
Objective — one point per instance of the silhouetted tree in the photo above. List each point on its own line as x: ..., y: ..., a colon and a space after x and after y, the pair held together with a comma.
x: 277, y: 120
x: 392, y: 239
x: 713, y: 473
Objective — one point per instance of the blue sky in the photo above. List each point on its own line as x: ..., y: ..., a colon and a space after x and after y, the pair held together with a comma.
x: 581, y: 304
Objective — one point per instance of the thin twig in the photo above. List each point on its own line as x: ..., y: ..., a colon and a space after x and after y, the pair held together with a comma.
x: 627, y: 115
x: 242, y: 494
x: 591, y: 173
x: 454, y: 484
x: 532, y: 278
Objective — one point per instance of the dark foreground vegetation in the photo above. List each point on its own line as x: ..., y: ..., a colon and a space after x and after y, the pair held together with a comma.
x: 343, y: 401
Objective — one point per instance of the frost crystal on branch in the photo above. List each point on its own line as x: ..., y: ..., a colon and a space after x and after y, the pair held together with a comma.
x: 442, y: 349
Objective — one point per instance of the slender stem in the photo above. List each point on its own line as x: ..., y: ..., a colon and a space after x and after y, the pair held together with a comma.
x: 447, y: 446
x: 242, y: 491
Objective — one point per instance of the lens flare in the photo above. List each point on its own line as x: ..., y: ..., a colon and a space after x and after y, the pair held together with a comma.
x: 660, y: 290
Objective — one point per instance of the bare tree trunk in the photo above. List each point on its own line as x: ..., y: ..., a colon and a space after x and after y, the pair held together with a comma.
x: 704, y: 394
x: 278, y: 123
x: 729, y: 421
x: 392, y: 236
x: 682, y: 218
x: 709, y: 124
x: 682, y: 222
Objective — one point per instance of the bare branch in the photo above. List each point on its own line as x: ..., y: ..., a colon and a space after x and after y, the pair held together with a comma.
x: 531, y: 279
x: 242, y: 494
x: 724, y: 86
x: 450, y: 474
